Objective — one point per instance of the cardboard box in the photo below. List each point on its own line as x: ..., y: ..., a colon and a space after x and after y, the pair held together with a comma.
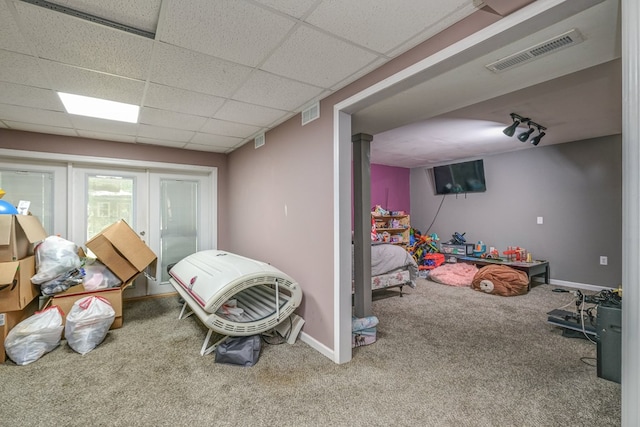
x: 65, y: 300
x: 10, y: 319
x: 16, y: 289
x: 122, y: 251
x: 18, y: 234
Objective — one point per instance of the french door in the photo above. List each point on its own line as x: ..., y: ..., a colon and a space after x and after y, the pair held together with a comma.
x: 172, y: 207
x: 171, y: 212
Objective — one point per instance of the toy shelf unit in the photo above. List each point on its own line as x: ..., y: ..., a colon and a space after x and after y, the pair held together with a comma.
x: 392, y: 229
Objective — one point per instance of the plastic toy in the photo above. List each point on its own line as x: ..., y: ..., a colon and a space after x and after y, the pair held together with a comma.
x: 516, y: 254
x: 7, y: 208
x: 479, y: 249
x: 457, y: 239
x: 423, y: 246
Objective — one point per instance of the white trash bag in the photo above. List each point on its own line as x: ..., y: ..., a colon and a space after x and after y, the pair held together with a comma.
x: 55, y: 256
x: 88, y: 322
x: 35, y: 336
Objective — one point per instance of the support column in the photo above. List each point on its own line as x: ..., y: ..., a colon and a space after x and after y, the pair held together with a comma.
x: 362, y: 223
x: 630, y: 17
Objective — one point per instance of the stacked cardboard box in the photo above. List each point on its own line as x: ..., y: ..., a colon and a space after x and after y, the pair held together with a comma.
x: 125, y: 254
x: 118, y: 247
x: 18, y: 296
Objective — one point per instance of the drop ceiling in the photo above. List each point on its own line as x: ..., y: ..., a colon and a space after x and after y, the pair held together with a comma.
x: 208, y: 75
x: 212, y: 75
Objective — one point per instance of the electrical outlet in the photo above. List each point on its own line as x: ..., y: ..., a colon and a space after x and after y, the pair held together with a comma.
x: 604, y: 260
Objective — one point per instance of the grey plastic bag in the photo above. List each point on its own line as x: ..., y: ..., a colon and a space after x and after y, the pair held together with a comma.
x: 243, y: 351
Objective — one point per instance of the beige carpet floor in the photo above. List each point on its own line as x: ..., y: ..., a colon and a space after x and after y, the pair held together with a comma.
x: 444, y: 356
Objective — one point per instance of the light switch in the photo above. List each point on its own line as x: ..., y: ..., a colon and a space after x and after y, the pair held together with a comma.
x: 539, y: 220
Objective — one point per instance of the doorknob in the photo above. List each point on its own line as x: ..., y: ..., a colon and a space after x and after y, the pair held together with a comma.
x: 142, y: 233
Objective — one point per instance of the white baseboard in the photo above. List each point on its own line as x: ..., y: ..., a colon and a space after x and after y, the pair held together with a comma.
x: 317, y: 345
x: 576, y: 285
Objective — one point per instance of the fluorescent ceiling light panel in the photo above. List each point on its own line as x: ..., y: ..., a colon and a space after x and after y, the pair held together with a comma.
x: 100, y: 108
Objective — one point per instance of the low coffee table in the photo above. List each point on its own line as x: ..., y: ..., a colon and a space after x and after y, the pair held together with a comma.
x: 534, y: 268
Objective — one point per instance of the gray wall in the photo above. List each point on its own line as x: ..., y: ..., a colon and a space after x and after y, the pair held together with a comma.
x: 576, y: 187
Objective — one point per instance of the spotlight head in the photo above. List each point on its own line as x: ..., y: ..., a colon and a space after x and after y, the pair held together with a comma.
x: 511, y: 129
x: 525, y: 135
x: 536, y: 139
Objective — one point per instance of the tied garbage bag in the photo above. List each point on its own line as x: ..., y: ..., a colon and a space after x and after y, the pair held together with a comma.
x: 35, y: 336
x: 88, y: 322
x: 55, y: 256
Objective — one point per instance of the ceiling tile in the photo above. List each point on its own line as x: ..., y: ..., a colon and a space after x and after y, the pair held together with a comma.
x: 256, y: 115
x: 21, y: 69
x: 209, y: 148
x: 261, y: 86
x: 361, y: 72
x: 215, y: 140
x: 29, y: 96
x: 102, y: 125
x: 153, y: 116
x: 222, y: 127
x: 106, y: 136
x: 69, y: 40
x: 195, y: 71
x: 10, y: 36
x: 308, y: 50
x: 140, y: 14
x: 153, y: 141
x: 32, y: 127
x: 79, y: 81
x: 164, y: 133
x: 376, y: 24
x: 296, y: 8
x: 434, y: 26
x: 180, y: 100
x: 246, y: 41
x: 33, y: 115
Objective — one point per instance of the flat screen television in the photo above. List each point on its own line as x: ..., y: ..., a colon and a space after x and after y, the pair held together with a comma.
x: 456, y: 178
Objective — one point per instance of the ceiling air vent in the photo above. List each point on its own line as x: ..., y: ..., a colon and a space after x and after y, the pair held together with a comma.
x: 259, y: 141
x: 311, y: 113
x: 555, y: 44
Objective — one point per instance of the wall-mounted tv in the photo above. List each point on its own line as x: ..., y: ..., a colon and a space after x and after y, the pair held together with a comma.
x: 456, y: 178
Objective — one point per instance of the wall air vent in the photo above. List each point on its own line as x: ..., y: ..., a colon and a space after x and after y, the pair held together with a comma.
x: 570, y: 38
x: 311, y: 113
x: 259, y: 140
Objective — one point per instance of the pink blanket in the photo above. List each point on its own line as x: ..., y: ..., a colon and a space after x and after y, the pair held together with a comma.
x: 460, y: 274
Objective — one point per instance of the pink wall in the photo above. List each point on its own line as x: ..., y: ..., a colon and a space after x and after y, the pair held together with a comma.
x: 390, y: 188
x: 281, y: 204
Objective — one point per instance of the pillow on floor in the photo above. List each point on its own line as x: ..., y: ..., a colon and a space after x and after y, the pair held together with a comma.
x: 501, y: 280
x: 459, y: 274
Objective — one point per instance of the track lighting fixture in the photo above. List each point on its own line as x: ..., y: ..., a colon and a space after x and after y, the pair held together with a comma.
x: 523, y: 136
x: 517, y: 119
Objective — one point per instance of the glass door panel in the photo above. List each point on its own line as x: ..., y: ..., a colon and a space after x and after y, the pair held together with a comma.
x: 179, y: 207
x: 184, y: 223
